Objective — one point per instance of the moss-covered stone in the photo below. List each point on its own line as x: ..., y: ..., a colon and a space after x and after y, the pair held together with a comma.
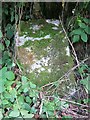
x: 54, y: 49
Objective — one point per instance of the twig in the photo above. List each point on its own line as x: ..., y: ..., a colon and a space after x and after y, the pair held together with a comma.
x: 74, y: 52
x: 66, y: 74
x: 69, y: 101
x: 41, y: 106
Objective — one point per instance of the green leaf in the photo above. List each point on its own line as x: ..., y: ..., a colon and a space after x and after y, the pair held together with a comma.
x: 25, y: 90
x: 24, y: 79
x: 9, y: 33
x: 2, y: 88
x: 76, y: 38
x: 26, y: 106
x: 86, y: 20
x: 32, y: 85
x: 3, y: 71
x: 25, y: 114
x: 1, y: 47
x: 87, y: 30
x: 5, y: 102
x: 7, y: 42
x: 9, y: 26
x: 10, y: 75
x: 82, y: 25
x: 84, y: 37
x: 14, y: 113
x: 86, y: 82
x: 12, y: 16
x: 28, y: 100
x: 16, y: 17
x: 29, y: 116
x: 1, y: 115
x: 1, y: 34
x: 76, y: 32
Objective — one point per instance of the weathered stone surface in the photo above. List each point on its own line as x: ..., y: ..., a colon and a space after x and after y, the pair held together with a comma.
x: 46, y: 59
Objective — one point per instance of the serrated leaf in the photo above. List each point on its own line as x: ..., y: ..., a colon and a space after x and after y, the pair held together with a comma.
x: 14, y: 113
x: 82, y: 25
x: 10, y: 75
x: 84, y: 37
x: 76, y: 38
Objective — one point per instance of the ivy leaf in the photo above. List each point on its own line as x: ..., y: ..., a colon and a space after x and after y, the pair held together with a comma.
x: 10, y: 75
x: 14, y: 113
x: 84, y: 37
x: 76, y: 38
x: 1, y: 34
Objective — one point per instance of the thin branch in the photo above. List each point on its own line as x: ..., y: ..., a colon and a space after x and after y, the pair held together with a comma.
x: 66, y: 74
x: 69, y: 101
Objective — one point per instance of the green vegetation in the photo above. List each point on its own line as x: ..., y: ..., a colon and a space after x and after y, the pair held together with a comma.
x: 19, y: 96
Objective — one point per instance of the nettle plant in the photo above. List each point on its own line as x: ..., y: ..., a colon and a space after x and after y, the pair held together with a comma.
x: 81, y: 31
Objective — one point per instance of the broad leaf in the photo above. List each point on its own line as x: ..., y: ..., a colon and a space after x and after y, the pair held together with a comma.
x: 86, y: 20
x: 76, y: 32
x: 7, y: 42
x: 1, y: 114
x: 76, y: 38
x: 32, y: 85
x: 82, y: 25
x: 86, y: 82
x: 84, y: 37
x: 10, y: 75
x: 9, y: 33
x: 14, y: 113
x: 24, y: 80
x: 87, y: 30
